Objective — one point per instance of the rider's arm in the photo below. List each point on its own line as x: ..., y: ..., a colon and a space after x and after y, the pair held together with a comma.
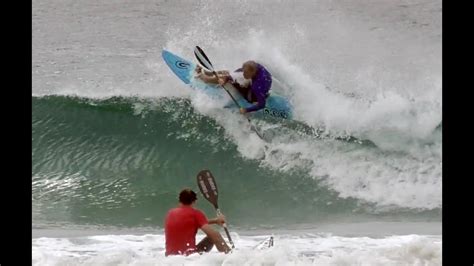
x: 261, y: 99
x: 209, y: 79
x: 218, y: 220
x: 210, y: 73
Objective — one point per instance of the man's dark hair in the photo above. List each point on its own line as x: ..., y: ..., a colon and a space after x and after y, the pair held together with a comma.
x: 187, y: 196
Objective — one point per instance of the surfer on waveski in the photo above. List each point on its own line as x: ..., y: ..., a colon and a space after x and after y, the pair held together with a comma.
x: 182, y: 224
x: 252, y: 80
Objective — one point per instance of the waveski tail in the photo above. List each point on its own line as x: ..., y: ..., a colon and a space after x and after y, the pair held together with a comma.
x: 267, y: 243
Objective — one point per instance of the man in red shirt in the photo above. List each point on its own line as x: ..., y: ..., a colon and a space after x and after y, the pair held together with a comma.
x: 182, y: 223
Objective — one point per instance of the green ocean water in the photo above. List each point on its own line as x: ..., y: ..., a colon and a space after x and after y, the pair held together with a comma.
x: 122, y: 162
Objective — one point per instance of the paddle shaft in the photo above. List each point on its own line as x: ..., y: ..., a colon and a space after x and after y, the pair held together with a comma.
x: 228, y: 92
x: 225, y: 229
x: 238, y: 105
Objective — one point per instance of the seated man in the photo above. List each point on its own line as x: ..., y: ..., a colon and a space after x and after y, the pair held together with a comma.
x: 253, y: 81
x: 182, y: 223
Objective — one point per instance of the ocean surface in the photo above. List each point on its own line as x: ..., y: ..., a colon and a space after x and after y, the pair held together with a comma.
x: 355, y: 180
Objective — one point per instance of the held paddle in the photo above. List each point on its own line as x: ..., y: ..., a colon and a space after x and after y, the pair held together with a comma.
x: 208, y: 187
x: 205, y: 62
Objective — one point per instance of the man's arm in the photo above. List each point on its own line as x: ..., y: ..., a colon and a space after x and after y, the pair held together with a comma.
x: 213, y: 221
x: 223, y: 77
x: 220, y: 220
x: 200, y: 69
x: 216, y: 238
x: 260, y: 103
x: 209, y: 79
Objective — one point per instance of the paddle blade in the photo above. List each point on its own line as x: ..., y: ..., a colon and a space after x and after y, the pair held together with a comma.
x: 208, y: 187
x: 202, y: 58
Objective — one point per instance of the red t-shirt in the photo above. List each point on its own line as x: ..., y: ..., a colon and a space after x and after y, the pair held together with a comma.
x: 181, y: 225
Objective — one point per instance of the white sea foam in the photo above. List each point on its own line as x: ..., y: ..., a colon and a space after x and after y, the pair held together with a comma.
x: 294, y: 250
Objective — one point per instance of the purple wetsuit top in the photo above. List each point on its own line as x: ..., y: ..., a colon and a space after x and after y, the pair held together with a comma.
x: 261, y: 84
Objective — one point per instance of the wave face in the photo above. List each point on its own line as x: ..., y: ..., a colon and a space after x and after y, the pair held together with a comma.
x: 122, y: 161
x: 116, y: 135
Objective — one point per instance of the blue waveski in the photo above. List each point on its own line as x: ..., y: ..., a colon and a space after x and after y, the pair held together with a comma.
x: 276, y: 105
